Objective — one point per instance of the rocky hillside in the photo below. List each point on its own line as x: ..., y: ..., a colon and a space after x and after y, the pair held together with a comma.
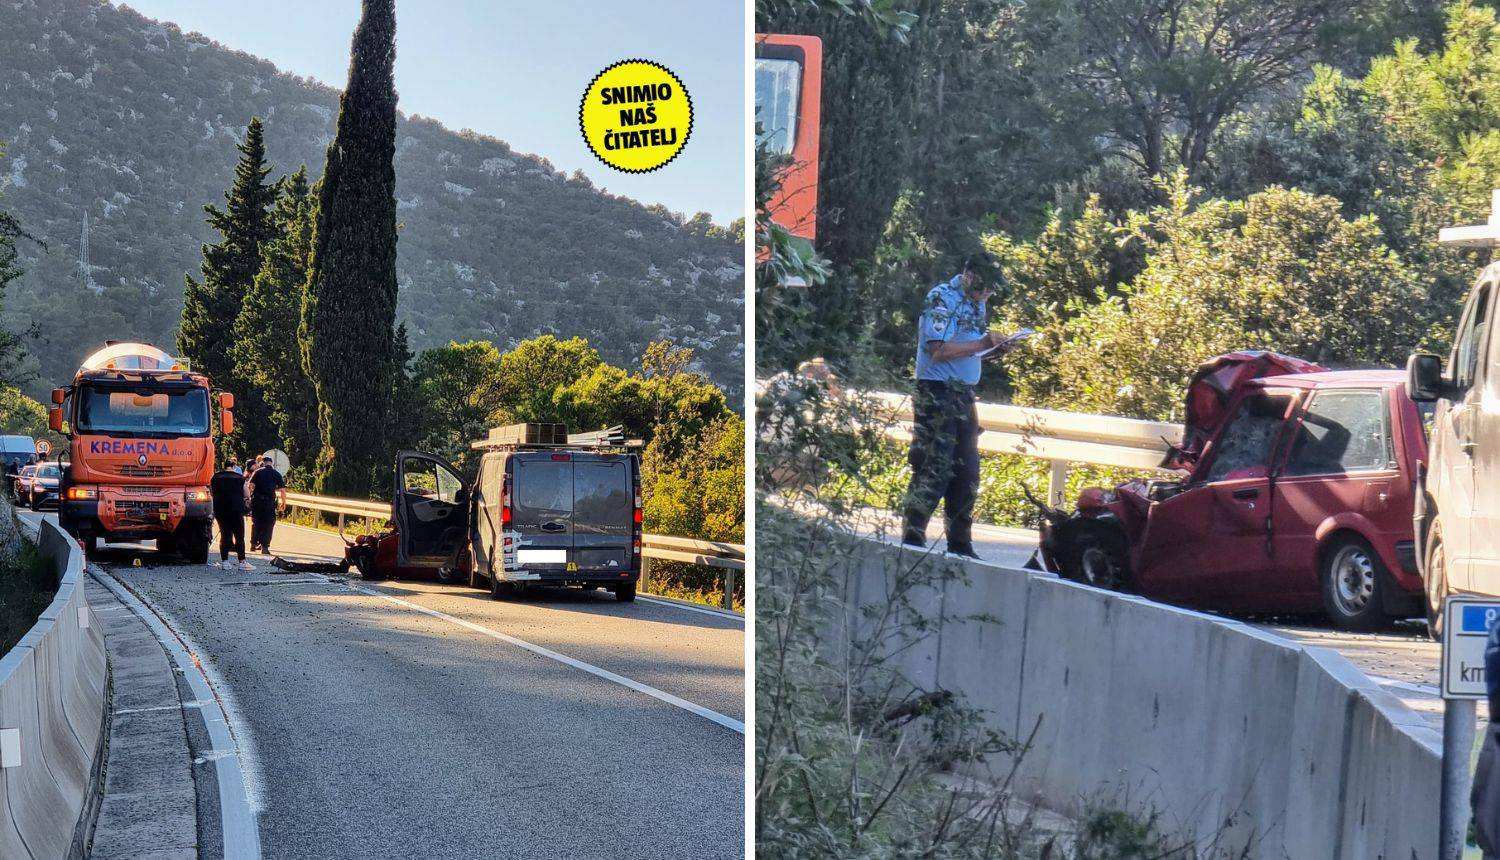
x: 118, y: 129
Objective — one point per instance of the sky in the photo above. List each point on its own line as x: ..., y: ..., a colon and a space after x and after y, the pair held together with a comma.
x: 516, y: 71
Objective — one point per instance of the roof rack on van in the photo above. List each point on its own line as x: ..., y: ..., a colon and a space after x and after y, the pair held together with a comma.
x: 539, y: 435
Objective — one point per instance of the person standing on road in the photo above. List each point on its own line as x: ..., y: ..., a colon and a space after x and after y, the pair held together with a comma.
x: 944, y: 454
x: 267, y: 496
x: 228, y: 489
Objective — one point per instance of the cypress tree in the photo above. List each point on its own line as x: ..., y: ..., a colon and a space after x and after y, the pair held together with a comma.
x: 266, y: 351
x: 210, y: 307
x: 349, y: 310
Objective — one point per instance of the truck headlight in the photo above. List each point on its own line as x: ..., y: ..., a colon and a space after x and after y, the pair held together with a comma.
x: 83, y: 493
x: 199, y: 494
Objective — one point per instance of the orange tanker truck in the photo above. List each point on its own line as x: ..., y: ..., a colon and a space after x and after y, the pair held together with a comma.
x: 140, y: 450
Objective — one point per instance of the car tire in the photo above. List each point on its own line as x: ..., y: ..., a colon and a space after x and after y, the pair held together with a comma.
x: 1096, y: 553
x: 21, y: 501
x: 1353, y: 580
x: 1435, y: 582
x: 625, y: 592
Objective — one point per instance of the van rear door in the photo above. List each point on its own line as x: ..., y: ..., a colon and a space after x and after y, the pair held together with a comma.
x: 542, y: 509
x: 604, y: 511
x: 431, y: 509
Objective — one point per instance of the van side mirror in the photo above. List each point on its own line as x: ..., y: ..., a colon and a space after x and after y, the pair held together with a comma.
x: 226, y: 400
x: 226, y: 422
x: 1424, y: 377
x: 58, y: 395
x: 54, y: 419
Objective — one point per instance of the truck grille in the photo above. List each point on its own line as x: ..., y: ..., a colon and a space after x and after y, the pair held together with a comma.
x: 133, y: 471
x: 140, y: 509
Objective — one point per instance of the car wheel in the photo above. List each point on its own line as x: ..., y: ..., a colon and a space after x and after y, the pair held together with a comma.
x: 1094, y: 553
x: 1436, y: 583
x: 1353, y: 579
x: 625, y: 592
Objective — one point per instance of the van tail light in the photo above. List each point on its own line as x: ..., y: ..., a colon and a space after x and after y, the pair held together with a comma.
x: 635, y: 531
x: 505, y: 502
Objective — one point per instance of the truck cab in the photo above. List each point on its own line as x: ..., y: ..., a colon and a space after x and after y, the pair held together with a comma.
x: 140, y: 450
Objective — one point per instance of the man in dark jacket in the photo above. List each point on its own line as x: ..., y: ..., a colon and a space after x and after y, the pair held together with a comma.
x: 267, y: 496
x: 1484, y: 797
x: 228, y: 489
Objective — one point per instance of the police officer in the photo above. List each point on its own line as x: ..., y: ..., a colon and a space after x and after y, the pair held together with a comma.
x: 944, y: 454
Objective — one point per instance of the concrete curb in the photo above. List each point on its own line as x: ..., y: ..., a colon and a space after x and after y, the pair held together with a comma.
x: 53, y: 688
x: 1272, y: 747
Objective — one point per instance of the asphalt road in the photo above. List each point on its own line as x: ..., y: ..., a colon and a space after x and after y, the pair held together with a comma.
x: 414, y: 719
x: 1403, y: 659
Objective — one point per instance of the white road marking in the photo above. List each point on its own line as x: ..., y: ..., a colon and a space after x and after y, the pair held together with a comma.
x: 706, y: 713
x: 237, y: 812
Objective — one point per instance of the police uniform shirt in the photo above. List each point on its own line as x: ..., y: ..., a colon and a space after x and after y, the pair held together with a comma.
x: 951, y: 317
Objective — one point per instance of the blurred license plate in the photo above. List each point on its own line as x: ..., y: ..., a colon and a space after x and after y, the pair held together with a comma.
x: 541, y: 556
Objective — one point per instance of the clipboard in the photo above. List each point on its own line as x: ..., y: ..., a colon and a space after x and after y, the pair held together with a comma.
x: 1005, y: 345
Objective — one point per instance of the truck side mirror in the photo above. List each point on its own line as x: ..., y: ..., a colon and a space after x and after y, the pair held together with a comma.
x: 226, y: 400
x: 57, y: 395
x: 226, y: 422
x: 1424, y: 377
x: 54, y: 419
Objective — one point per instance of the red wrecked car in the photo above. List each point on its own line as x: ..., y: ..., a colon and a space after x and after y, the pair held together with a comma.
x: 1297, y: 497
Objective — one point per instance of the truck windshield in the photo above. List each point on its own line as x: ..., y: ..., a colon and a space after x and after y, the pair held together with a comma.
x: 181, y: 411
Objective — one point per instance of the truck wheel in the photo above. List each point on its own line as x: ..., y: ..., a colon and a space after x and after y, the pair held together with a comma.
x: 1353, y: 579
x: 192, y: 543
x: 1094, y: 553
x: 90, y: 545
x: 625, y: 592
x: 1436, y: 583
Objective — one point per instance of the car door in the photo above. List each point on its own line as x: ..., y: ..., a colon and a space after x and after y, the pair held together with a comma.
x: 1484, y: 461
x: 542, y: 510
x: 486, y: 526
x: 1341, y: 460
x: 603, y: 512
x: 1208, y: 544
x: 430, y: 508
x: 1453, y: 436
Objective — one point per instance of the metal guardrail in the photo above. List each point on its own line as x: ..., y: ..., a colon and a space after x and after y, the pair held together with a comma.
x: 727, y: 557
x: 1063, y: 438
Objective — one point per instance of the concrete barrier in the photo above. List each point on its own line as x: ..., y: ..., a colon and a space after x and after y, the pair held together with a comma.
x: 1234, y: 734
x: 52, y: 698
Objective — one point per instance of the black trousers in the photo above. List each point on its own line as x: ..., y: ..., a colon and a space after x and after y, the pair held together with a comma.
x: 944, y: 460
x: 263, y: 521
x: 231, y: 535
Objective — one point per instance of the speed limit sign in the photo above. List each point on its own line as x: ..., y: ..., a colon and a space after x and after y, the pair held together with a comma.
x: 43, y: 447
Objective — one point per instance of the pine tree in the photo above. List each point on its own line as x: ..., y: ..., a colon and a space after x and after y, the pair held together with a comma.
x: 266, y: 351
x: 210, y: 307
x: 349, y: 311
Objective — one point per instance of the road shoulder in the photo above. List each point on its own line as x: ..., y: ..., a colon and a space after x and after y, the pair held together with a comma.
x: 149, y: 807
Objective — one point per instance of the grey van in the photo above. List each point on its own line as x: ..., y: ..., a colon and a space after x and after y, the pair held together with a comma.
x: 561, y: 515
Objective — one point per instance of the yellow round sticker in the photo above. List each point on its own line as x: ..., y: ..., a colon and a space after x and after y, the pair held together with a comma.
x: 636, y: 115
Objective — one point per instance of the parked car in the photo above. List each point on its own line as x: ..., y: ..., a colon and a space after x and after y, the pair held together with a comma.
x: 43, y: 487
x: 1297, y: 498
x: 564, y: 513
x: 22, y: 488
x: 1457, y: 516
